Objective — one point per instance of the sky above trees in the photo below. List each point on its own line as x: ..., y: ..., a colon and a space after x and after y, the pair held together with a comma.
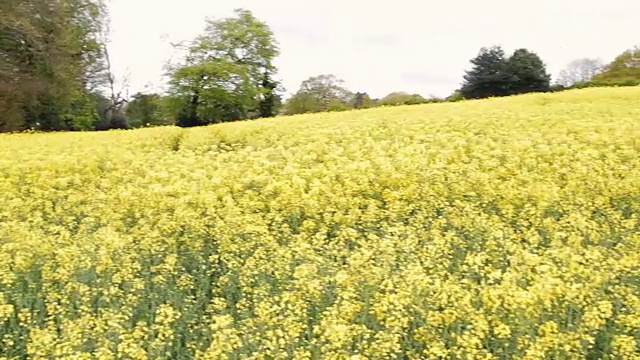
x: 378, y: 47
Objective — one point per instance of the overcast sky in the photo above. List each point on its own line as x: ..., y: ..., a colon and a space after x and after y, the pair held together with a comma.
x: 380, y: 46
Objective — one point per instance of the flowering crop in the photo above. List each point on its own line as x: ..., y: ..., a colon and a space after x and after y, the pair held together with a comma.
x: 492, y: 229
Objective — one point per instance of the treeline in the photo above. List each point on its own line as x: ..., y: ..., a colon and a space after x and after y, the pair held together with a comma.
x: 55, y: 74
x: 52, y: 65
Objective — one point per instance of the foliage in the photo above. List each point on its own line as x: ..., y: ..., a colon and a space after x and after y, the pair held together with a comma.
x: 496, y: 229
x: 528, y: 73
x: 592, y: 84
x: 626, y: 67
x: 494, y: 75
x: 301, y: 103
x: 337, y: 105
x: 455, y: 97
x: 579, y: 71
x: 55, y: 74
x: 362, y: 100
x: 146, y: 110
x: 402, y: 98
x: 108, y: 117
x: 628, y: 82
x: 50, y: 60
x: 319, y: 93
x: 489, y: 75
x: 270, y: 101
x: 225, y: 74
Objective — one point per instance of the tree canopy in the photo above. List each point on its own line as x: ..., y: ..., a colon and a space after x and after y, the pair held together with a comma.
x: 55, y: 74
x: 51, y: 63
x: 402, y: 98
x: 318, y: 93
x: 527, y: 73
x: 489, y: 75
x: 625, y: 67
x: 227, y: 72
x: 493, y: 74
x: 579, y: 71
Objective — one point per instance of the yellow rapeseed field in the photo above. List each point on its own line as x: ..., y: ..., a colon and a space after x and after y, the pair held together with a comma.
x: 491, y: 229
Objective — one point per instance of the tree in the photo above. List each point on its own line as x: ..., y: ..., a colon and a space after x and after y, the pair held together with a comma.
x: 319, y: 93
x: 113, y: 115
x: 326, y: 88
x: 144, y: 110
x: 579, y: 71
x: 49, y: 59
x: 489, y: 75
x: 527, y: 73
x: 625, y: 67
x: 402, y: 98
x: 494, y: 75
x: 302, y: 103
x: 362, y: 100
x: 270, y: 101
x: 455, y: 97
x: 226, y: 73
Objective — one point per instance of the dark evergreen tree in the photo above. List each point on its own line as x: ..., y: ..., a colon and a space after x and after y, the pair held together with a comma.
x: 528, y: 73
x: 489, y: 75
x: 358, y: 100
x: 188, y: 115
x: 268, y: 105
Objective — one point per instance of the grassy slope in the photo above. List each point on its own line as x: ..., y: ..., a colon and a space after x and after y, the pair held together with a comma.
x: 503, y: 226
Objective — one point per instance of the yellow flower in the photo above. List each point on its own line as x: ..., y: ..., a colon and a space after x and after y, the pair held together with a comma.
x: 476, y: 230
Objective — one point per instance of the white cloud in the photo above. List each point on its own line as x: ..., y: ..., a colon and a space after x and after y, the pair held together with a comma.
x: 374, y: 45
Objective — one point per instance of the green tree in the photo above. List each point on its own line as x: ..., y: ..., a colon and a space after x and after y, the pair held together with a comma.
x: 270, y: 101
x: 455, y: 97
x: 402, y: 98
x: 489, y: 75
x: 362, y: 100
x: 222, y: 77
x: 302, y: 103
x: 624, y: 68
x: 527, y: 73
x: 320, y: 93
x: 50, y: 58
x: 144, y: 110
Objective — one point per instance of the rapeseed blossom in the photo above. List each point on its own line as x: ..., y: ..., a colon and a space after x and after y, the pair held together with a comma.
x: 492, y: 229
